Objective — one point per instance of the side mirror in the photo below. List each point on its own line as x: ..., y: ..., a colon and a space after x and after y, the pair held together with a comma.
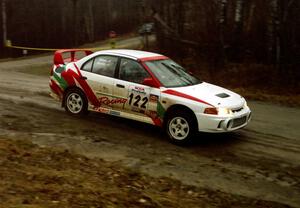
x: 150, y: 82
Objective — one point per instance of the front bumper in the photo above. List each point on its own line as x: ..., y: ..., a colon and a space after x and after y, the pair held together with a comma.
x: 215, y: 123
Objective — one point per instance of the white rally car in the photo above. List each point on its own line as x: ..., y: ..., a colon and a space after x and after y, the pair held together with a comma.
x: 146, y: 87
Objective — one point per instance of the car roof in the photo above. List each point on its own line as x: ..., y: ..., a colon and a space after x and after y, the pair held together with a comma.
x: 135, y: 54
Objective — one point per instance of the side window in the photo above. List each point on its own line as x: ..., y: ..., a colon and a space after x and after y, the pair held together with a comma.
x: 88, y: 66
x: 132, y: 71
x: 105, y: 65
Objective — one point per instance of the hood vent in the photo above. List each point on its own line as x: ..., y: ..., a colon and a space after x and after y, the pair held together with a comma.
x: 222, y: 95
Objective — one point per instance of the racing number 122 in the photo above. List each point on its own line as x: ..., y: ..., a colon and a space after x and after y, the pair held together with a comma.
x: 137, y: 99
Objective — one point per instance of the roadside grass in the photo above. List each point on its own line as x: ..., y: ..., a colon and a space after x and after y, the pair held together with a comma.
x: 54, y: 177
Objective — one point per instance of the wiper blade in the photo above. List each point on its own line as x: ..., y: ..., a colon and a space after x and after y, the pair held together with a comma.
x: 174, y: 70
x: 171, y: 68
x: 186, y: 80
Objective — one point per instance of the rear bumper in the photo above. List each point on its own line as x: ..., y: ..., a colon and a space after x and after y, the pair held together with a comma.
x: 214, y: 123
x: 54, y: 96
x: 55, y: 91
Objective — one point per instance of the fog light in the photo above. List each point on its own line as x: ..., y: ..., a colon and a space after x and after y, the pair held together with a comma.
x: 250, y: 117
x: 229, y: 124
x: 221, y: 124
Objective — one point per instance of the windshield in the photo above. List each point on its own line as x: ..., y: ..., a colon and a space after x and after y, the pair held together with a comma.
x: 170, y: 74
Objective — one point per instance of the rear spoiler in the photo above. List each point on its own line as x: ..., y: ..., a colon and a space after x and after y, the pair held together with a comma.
x: 71, y: 57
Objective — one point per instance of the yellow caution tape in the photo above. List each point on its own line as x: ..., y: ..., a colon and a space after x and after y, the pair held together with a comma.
x: 32, y: 49
x: 8, y: 44
x: 53, y: 49
x: 113, y: 44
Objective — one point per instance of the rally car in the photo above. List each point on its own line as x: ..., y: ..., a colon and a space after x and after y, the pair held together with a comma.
x: 146, y: 87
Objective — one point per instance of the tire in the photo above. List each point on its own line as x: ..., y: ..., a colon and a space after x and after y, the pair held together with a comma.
x: 181, y: 127
x: 75, y: 102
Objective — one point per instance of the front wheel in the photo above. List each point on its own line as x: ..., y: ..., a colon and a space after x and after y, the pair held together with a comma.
x: 75, y: 102
x: 181, y: 127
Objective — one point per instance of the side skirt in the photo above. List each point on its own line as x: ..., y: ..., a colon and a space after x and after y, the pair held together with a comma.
x: 122, y: 114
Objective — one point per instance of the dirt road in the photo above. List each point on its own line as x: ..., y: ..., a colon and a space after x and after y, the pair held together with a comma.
x: 260, y: 162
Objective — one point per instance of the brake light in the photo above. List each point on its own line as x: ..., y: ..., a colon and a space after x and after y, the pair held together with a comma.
x: 211, y: 111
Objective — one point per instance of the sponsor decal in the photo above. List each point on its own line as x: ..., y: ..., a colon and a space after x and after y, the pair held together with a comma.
x: 101, y: 110
x: 155, y: 117
x: 138, y: 90
x: 135, y: 109
x: 158, y: 115
x: 110, y: 102
x: 138, y: 110
x: 115, y: 113
x: 152, y: 114
x: 153, y: 98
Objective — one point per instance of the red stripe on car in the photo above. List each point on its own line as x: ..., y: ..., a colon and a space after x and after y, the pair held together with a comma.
x: 179, y: 94
x: 153, y: 58
x: 152, y: 75
x: 70, y: 76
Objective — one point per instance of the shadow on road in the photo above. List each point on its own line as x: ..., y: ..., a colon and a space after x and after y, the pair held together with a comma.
x: 216, y: 139
x: 156, y: 134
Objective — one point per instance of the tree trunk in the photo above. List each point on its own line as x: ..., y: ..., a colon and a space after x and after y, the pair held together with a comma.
x: 4, y: 23
x: 89, y: 22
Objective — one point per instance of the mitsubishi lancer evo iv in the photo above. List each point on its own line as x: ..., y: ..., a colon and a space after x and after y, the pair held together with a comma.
x: 145, y: 87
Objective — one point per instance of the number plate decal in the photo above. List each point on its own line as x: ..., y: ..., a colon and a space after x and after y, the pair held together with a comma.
x: 144, y: 101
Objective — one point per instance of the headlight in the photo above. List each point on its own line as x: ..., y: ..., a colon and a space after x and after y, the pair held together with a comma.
x: 224, y: 111
x: 245, y: 104
x: 218, y: 111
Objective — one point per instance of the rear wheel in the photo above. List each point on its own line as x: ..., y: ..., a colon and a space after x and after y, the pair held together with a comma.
x: 75, y: 102
x: 181, y: 127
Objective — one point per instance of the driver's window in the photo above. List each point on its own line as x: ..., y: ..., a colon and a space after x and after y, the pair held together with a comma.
x: 132, y: 71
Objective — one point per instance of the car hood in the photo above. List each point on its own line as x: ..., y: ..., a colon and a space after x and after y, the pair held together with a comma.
x: 212, y: 94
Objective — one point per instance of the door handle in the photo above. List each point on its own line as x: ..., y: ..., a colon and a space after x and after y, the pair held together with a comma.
x: 83, y: 77
x: 120, y: 86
